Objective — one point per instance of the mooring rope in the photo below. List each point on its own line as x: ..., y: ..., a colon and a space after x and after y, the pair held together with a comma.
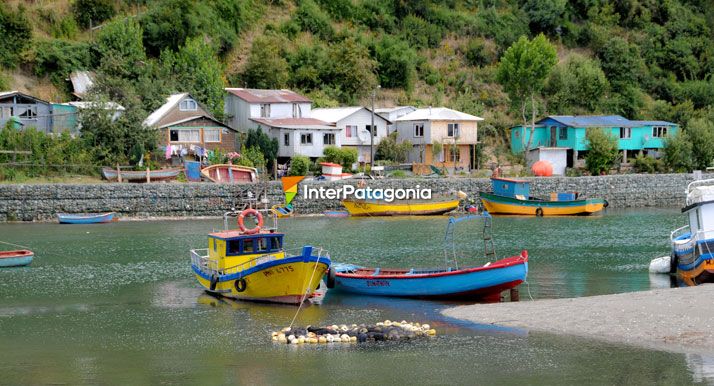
x: 14, y: 245
x: 528, y: 288
x: 304, y: 296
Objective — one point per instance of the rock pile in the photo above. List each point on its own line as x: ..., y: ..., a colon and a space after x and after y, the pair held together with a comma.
x: 354, y: 333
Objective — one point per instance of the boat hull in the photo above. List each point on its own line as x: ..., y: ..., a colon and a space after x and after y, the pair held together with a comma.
x: 396, y: 208
x: 140, y: 175
x: 496, y: 204
x: 289, y: 280
x: 468, y: 283
x: 16, y: 258
x: 230, y: 174
x: 86, y: 218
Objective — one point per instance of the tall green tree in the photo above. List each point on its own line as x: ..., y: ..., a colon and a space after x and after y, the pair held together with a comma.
x: 16, y: 35
x: 523, y: 70
x: 678, y: 152
x: 701, y: 134
x: 121, y: 49
x: 92, y: 12
x: 602, y: 153
x: 257, y: 139
x: 266, y: 67
x: 577, y: 84
x: 196, y: 69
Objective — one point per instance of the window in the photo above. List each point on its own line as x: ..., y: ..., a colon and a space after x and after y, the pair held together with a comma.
x: 265, y: 110
x: 211, y: 135
x: 275, y: 243
x: 517, y: 133
x: 188, y: 105
x: 453, y: 130
x: 247, y: 246
x: 418, y: 129
x: 183, y: 135
x: 29, y: 112
x: 5, y: 112
x: 296, y: 111
x: 351, y: 131
x: 328, y: 139
x: 306, y: 139
x: 452, y: 153
x: 369, y: 128
x: 625, y: 132
x: 563, y: 133
x: 659, y: 131
x: 286, y: 139
x: 262, y: 244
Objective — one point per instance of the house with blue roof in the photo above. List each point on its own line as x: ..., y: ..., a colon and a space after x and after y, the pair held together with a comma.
x: 568, y: 131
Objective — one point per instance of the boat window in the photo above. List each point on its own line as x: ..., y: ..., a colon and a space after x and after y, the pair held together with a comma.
x: 234, y: 247
x: 248, y: 246
x: 275, y: 243
x: 262, y: 244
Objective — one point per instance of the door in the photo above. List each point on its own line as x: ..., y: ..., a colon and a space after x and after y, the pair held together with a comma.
x: 553, y: 136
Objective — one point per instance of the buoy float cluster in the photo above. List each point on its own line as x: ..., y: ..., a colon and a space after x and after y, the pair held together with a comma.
x: 355, y: 333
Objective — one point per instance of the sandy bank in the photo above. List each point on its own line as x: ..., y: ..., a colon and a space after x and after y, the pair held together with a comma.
x: 676, y: 319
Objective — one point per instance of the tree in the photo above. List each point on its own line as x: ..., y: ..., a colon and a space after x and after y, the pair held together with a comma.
x: 196, y: 69
x: 311, y: 18
x: 343, y: 156
x: 16, y: 35
x: 352, y: 70
x: 701, y: 135
x: 92, y: 12
x: 522, y: 72
x: 578, y: 83
x: 603, y: 153
x: 266, y: 67
x: 299, y: 165
x: 678, y: 152
x: 389, y: 150
x: 621, y: 62
x: 263, y: 143
x: 397, y: 63
x: 121, y: 49
x: 545, y: 15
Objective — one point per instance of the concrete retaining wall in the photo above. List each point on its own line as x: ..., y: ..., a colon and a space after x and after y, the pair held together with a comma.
x: 43, y: 202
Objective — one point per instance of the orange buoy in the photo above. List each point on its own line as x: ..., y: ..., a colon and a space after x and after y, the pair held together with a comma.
x: 241, y: 221
x: 542, y: 168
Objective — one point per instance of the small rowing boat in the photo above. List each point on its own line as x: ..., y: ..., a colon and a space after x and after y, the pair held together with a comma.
x: 16, y: 258
x: 140, y: 175
x: 435, y: 206
x: 484, y: 282
x: 230, y: 174
x: 336, y: 213
x: 87, y: 218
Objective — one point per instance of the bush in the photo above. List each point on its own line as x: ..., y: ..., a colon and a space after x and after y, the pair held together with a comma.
x: 397, y: 63
x: 678, y: 152
x: 299, y: 165
x: 389, y: 150
x: 603, y: 153
x: 92, y: 12
x: 16, y: 36
x: 58, y: 58
x: 266, y: 67
x: 579, y: 83
x: 344, y: 156
x: 477, y: 53
x: 646, y: 164
x: 262, y: 149
x: 701, y: 135
x: 311, y: 18
x: 420, y: 33
x: 120, y: 48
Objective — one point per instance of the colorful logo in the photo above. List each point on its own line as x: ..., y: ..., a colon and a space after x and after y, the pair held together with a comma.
x: 290, y: 187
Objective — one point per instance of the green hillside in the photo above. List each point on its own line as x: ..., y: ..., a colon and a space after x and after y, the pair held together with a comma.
x: 643, y: 59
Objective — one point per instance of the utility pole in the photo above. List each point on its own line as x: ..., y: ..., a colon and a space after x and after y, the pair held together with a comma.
x: 372, y: 132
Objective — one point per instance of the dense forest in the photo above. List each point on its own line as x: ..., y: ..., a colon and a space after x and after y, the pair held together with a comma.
x: 643, y: 59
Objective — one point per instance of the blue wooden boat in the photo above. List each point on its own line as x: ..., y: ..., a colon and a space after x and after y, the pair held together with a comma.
x: 336, y: 213
x: 485, y: 282
x: 88, y: 218
x: 17, y: 258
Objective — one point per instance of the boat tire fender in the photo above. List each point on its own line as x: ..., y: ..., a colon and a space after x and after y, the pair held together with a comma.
x: 539, y: 212
x: 214, y: 282
x: 241, y: 221
x: 241, y: 285
x: 330, y: 278
x: 606, y: 204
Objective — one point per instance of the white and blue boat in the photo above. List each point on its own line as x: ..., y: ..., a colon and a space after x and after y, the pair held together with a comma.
x: 87, y: 218
x: 692, y: 255
x: 17, y: 258
x: 484, y: 282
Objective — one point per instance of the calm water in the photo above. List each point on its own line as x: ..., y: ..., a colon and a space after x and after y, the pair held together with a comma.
x: 116, y: 304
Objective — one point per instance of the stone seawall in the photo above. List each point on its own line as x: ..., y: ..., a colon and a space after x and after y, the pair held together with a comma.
x: 43, y: 201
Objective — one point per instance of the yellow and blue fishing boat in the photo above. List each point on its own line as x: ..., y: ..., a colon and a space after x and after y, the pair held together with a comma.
x: 251, y: 263
x: 511, y: 196
x: 400, y: 207
x: 692, y: 255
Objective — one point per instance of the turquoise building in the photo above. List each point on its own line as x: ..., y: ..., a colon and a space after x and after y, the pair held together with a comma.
x: 568, y: 131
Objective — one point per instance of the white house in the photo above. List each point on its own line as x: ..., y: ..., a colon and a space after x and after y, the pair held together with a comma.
x: 392, y: 113
x: 282, y: 114
x: 355, y: 125
x: 457, y: 132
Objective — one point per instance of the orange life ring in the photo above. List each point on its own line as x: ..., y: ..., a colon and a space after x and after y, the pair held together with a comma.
x: 241, y: 221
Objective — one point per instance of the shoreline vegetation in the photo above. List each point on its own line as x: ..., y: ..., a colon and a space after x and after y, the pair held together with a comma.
x: 660, y: 319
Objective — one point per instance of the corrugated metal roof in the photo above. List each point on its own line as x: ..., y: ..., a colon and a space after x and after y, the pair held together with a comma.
x: 171, y: 101
x: 253, y: 95
x: 395, y: 108
x: 15, y: 92
x: 601, y: 121
x: 104, y: 105
x: 335, y: 114
x: 296, y: 123
x: 189, y: 119
x: 438, y: 114
x: 82, y: 81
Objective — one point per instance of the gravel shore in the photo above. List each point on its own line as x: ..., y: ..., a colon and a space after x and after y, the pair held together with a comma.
x: 674, y: 319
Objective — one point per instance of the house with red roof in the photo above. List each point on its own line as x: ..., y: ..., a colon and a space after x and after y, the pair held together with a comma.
x: 282, y: 114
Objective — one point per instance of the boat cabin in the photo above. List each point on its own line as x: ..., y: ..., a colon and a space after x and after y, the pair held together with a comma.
x: 700, y: 212
x: 235, y: 250
x: 508, y: 187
